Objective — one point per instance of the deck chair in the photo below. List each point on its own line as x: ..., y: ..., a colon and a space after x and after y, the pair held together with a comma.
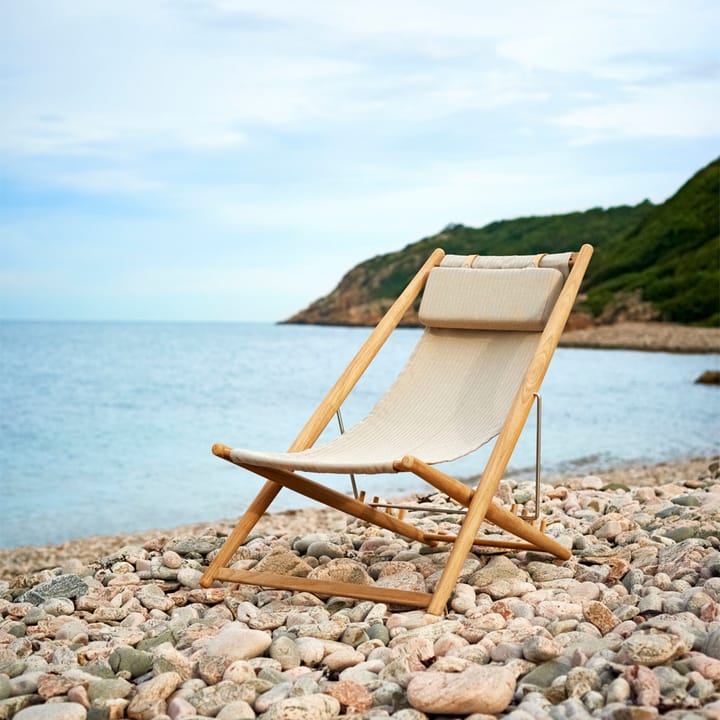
x: 491, y: 327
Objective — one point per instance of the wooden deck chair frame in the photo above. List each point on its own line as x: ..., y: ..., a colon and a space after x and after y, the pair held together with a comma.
x: 478, y: 502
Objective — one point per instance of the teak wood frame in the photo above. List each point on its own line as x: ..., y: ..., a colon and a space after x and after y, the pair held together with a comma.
x: 478, y: 502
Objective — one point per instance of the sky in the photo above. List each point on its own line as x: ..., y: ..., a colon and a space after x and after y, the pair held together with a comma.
x: 223, y: 160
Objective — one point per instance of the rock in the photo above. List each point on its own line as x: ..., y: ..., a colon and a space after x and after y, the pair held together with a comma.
x: 353, y: 698
x: 108, y: 689
x: 651, y: 648
x: 128, y: 659
x: 189, y: 577
x: 5, y: 687
x: 61, y: 586
x: 210, y: 700
x: 237, y: 710
x: 285, y: 563
x: 323, y: 547
x: 341, y: 659
x: 709, y: 377
x: 53, y: 711
x: 311, y: 650
x: 285, y: 651
x: 600, y: 616
x: 151, y: 696
x: 580, y: 681
x: 539, y: 648
x: 501, y: 578
x: 273, y: 695
x: 342, y: 570
x: 53, y: 685
x: 708, y: 667
x: 201, y: 545
x: 153, y: 598
x: 412, y: 581
x: 479, y: 689
x: 307, y: 707
x: 711, y: 646
x: 167, y: 659
x: 544, y: 675
x: 238, y: 643
x: 645, y: 685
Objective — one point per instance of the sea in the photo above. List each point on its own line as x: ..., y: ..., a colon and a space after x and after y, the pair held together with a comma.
x: 106, y: 427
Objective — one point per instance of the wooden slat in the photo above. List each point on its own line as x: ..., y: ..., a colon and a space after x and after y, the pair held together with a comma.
x: 483, y: 542
x: 463, y: 494
x: 332, y: 498
x: 326, y: 588
x: 510, y: 432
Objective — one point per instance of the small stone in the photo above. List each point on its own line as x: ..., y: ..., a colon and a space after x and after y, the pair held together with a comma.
x: 168, y: 659
x: 323, y: 547
x: 600, y: 616
x: 153, y: 598
x: 618, y: 691
x: 274, y: 695
x: 238, y: 643
x: 354, y: 698
x: 580, y: 681
x: 61, y: 586
x: 307, y: 707
x: 341, y: 659
x: 311, y: 650
x: 479, y: 689
x: 544, y: 675
x: 644, y: 683
x: 172, y: 560
x: 179, y: 707
x: 210, y: 700
x: 650, y: 648
x: 283, y: 562
x: 708, y: 667
x: 342, y: 570
x: 100, y: 689
x: 501, y: 578
x: 189, y: 577
x: 200, y: 545
x: 539, y: 648
x: 53, y: 711
x: 236, y: 710
x: 285, y: 651
x: 79, y: 695
x: 239, y: 672
x: 128, y: 659
x: 5, y: 687
x: 711, y: 646
x: 53, y: 685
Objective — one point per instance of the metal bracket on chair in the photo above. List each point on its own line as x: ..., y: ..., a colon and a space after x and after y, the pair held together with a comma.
x: 352, y: 475
x: 538, y: 438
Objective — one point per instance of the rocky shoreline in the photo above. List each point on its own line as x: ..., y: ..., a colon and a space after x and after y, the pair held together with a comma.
x: 628, y: 628
x: 646, y: 336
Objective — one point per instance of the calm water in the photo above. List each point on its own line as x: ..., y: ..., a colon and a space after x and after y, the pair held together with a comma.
x: 107, y: 427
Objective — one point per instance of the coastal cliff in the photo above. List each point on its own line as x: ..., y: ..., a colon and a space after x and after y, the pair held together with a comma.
x: 652, y: 262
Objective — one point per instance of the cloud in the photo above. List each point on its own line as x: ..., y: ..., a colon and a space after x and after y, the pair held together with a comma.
x: 688, y: 110
x: 193, y: 138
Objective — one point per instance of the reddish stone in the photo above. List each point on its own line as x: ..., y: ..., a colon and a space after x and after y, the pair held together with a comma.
x: 351, y: 695
x: 53, y: 685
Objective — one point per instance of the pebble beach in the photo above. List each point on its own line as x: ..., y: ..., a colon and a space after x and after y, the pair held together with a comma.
x: 627, y: 629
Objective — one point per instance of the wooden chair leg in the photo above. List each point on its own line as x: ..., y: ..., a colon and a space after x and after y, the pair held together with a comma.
x: 239, y: 534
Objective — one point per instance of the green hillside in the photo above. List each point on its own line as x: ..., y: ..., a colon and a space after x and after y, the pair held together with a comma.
x: 665, y: 257
x: 671, y: 257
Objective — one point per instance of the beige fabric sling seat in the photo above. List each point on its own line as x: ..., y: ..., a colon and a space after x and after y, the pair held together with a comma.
x: 491, y: 327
